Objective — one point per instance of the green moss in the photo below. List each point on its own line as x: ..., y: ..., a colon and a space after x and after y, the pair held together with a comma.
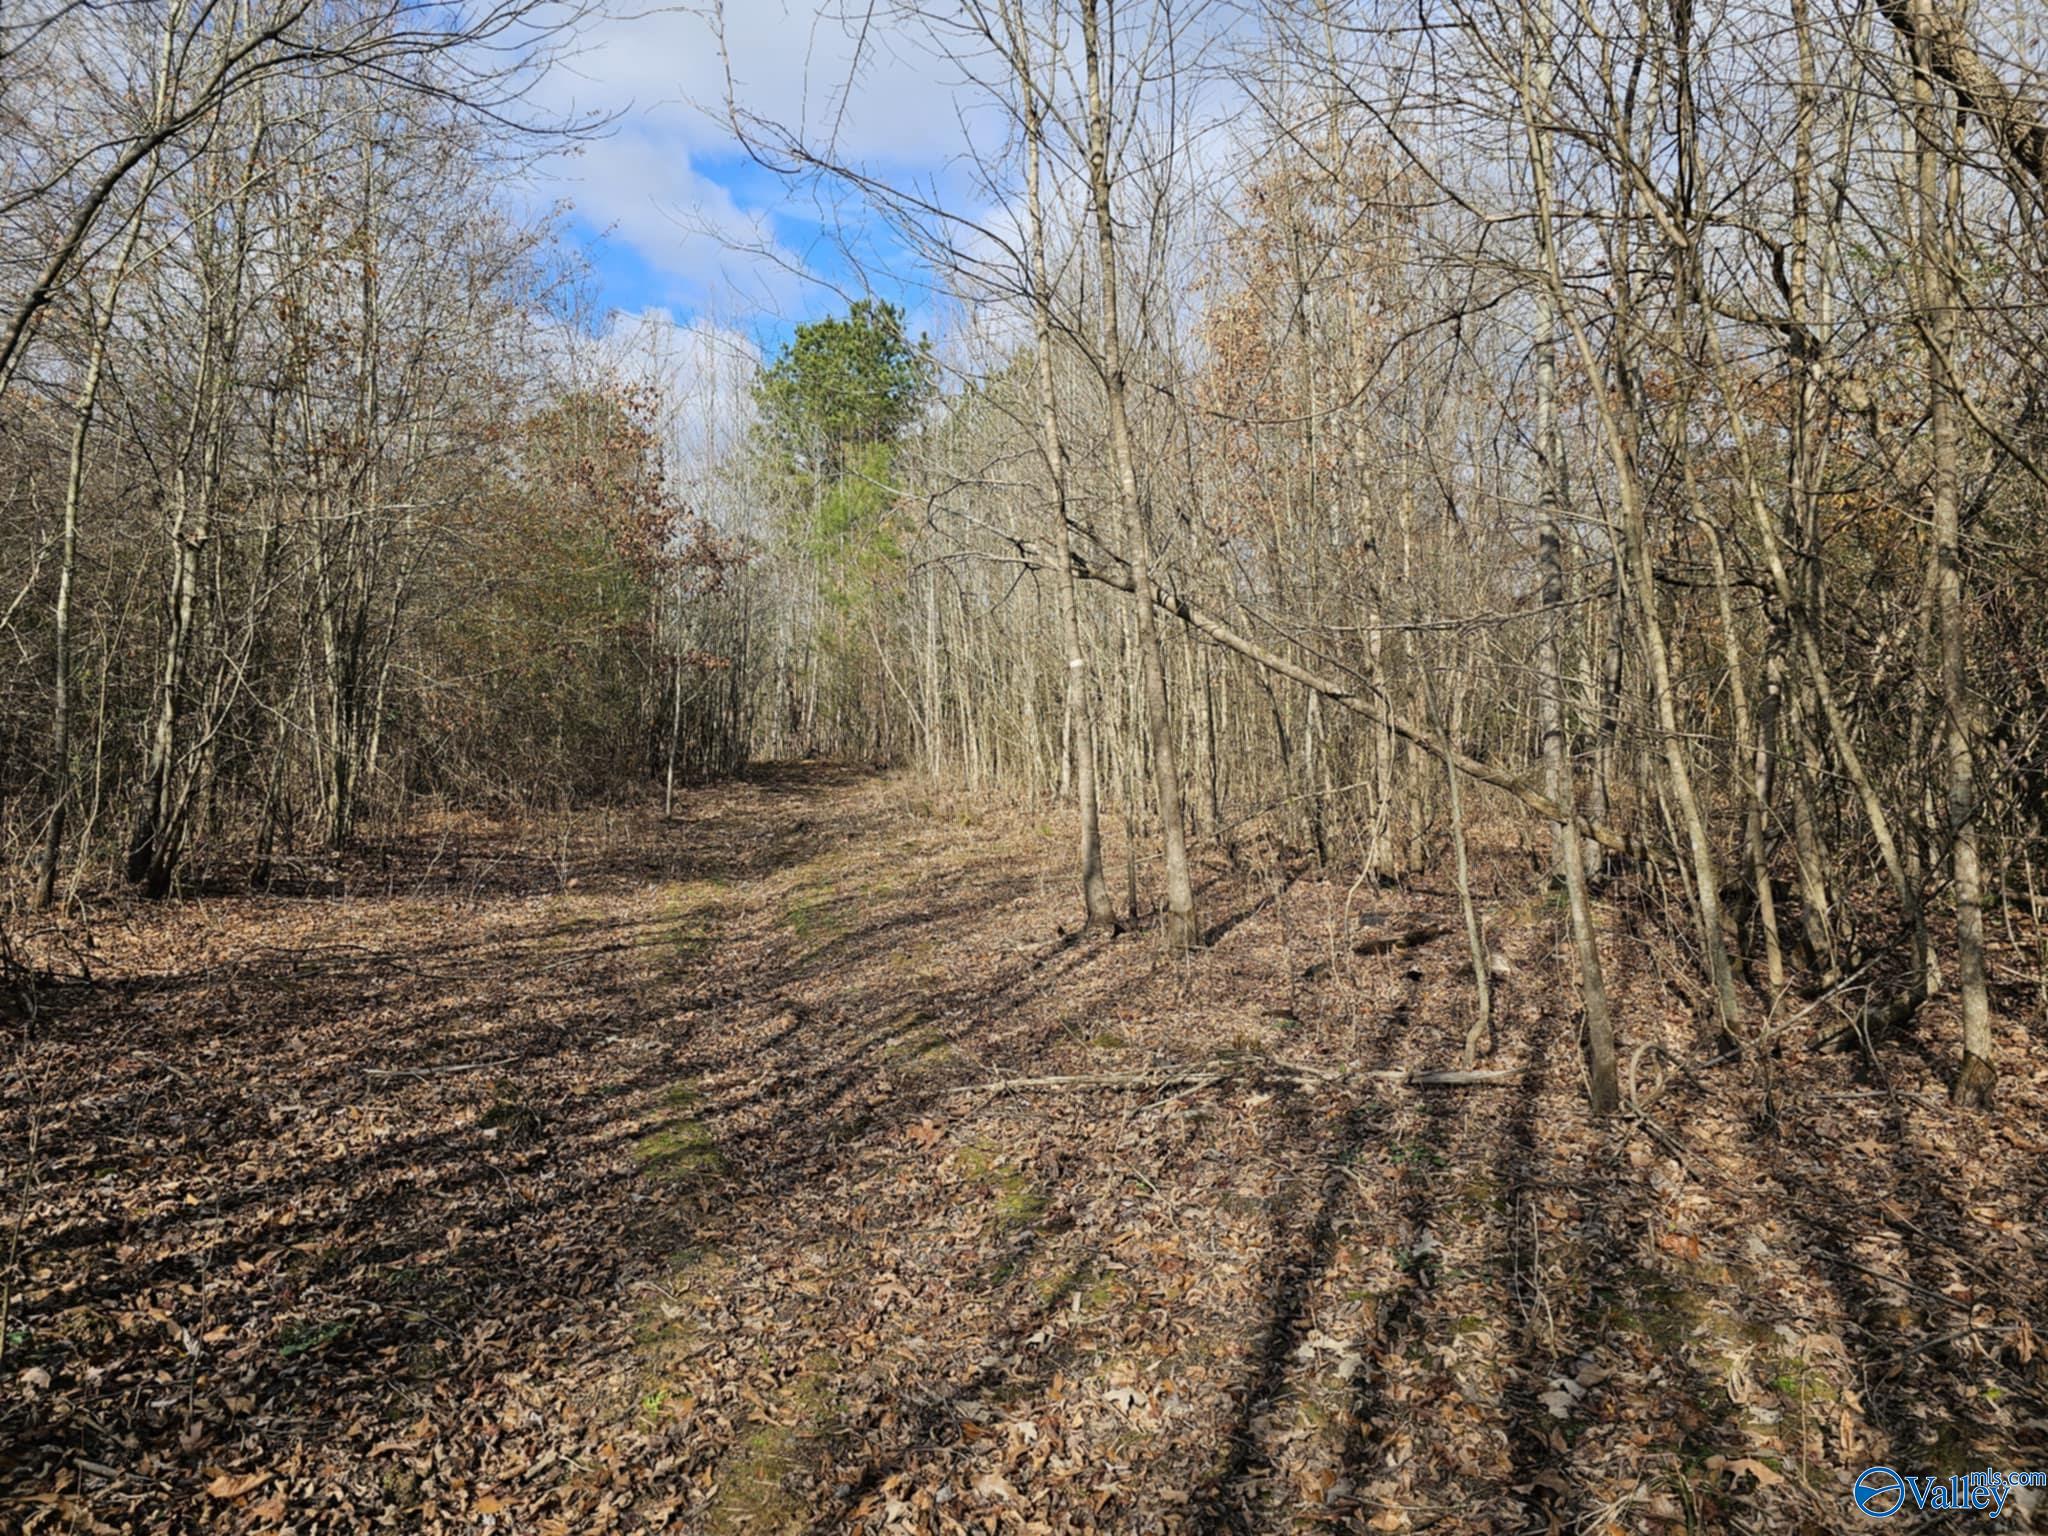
x: 914, y: 1042
x: 814, y: 1392
x: 1420, y: 1155
x: 975, y: 1163
x: 816, y: 905
x: 305, y: 1337
x: 1018, y: 1202
x: 1797, y: 1382
x: 1695, y: 1324
x: 1083, y: 1282
x: 688, y: 917
x: 668, y: 1324
x: 753, y: 1494
x: 400, y: 1486
x: 682, y: 1148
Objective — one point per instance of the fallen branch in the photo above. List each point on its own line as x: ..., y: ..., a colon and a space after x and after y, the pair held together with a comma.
x: 1447, y: 1079
x: 1408, y: 938
x: 1878, y: 1020
x: 1187, y: 1077
x: 1205, y: 1074
x: 460, y: 1066
x: 1373, y: 705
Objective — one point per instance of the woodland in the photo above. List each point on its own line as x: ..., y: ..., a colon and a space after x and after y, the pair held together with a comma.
x: 1328, y: 812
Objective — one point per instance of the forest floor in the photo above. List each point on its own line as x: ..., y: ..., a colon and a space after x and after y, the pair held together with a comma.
x: 610, y: 1173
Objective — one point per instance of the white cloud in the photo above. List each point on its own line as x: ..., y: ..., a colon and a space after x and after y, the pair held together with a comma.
x: 869, y: 89
x: 858, y: 80
x: 868, y: 82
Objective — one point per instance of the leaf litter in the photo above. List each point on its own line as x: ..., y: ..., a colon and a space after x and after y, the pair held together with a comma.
x: 626, y: 1175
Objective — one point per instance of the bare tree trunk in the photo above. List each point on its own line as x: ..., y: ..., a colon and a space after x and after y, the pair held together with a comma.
x: 1475, y: 932
x: 675, y: 729
x: 1182, y: 931
x: 1603, y: 1084
x: 67, y: 562
x: 1976, y: 1077
x: 1080, y: 709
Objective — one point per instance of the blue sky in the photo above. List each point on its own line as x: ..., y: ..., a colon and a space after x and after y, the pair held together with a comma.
x: 671, y: 213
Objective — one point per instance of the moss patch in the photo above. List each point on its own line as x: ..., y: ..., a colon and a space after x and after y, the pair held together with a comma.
x: 688, y: 918
x: 1725, y: 1348
x: 1080, y: 1287
x: 753, y: 1493
x: 815, y: 908
x: 681, y: 1148
x: 914, y: 1042
x: 305, y: 1337
x: 1018, y: 1202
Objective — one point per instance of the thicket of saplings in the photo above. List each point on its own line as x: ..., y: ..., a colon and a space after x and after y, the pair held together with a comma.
x: 1590, y: 460
x: 1624, y: 420
x: 316, y: 503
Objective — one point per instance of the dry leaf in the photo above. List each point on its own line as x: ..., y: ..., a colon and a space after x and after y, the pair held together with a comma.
x: 233, y: 1486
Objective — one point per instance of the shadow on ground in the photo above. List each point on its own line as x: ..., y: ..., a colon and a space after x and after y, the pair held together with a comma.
x: 615, y: 1173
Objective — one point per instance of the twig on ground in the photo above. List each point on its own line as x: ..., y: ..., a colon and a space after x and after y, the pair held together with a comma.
x: 443, y: 1071
x: 1206, y: 1074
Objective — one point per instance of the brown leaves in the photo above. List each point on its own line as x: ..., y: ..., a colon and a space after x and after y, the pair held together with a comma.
x: 233, y: 1485
x: 739, y: 1287
x: 1746, y: 1466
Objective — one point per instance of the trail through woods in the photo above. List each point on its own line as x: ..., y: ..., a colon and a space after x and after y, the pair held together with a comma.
x: 617, y: 1174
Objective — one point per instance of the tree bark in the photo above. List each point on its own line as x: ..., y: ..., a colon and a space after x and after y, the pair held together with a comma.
x: 1976, y: 1077
x: 1182, y: 931
x: 1098, y: 910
